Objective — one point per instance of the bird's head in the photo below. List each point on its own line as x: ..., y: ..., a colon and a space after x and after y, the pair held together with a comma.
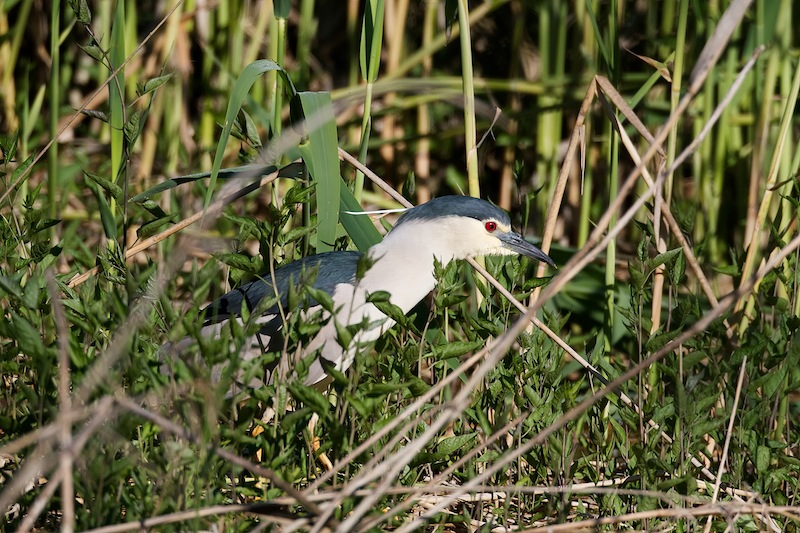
x: 456, y: 227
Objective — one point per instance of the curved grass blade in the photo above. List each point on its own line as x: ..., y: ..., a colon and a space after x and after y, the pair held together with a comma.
x: 225, y: 173
x: 240, y: 90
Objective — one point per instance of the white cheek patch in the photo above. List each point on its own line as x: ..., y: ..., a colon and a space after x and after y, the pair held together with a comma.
x: 502, y: 250
x: 502, y: 228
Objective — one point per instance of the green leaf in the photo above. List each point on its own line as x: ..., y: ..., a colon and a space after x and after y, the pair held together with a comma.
x: 106, y: 216
x: 457, y: 349
x: 532, y: 283
x: 388, y: 308
x: 371, y: 40
x: 660, y: 339
x: 93, y: 51
x: 453, y: 444
x: 43, y: 224
x: 660, y: 259
x: 637, y: 276
x: 311, y: 397
x: 8, y: 145
x: 132, y: 128
x: 110, y: 187
x: 26, y: 335
x: 95, y: 113
x: 238, y: 261
x: 30, y: 298
x: 148, y: 229
x: 241, y: 88
x: 359, y: 227
x: 729, y: 270
x: 154, y: 83
x: 22, y: 168
x: 247, y: 129
x: 365, y: 262
x: 227, y: 173
x: 774, y: 380
x: 343, y: 334
x: 82, y: 11
x: 10, y: 286
x: 321, y: 155
x: 282, y: 8
x: 155, y: 209
x: 763, y: 458
x: 678, y: 269
x: 376, y: 390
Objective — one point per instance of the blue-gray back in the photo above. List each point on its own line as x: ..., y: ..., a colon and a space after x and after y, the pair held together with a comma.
x: 326, y: 270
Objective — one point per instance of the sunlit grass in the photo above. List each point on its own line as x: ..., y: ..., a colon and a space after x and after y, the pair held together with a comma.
x: 147, y: 447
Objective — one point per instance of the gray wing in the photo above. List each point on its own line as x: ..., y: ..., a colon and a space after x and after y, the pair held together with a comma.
x: 323, y: 271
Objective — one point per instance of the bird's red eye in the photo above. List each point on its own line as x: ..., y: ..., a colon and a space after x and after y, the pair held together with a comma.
x: 491, y: 226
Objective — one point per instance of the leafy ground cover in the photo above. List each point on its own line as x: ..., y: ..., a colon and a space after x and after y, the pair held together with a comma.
x: 155, y: 155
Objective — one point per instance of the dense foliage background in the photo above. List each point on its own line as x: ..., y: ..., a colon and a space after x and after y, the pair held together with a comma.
x: 657, y: 388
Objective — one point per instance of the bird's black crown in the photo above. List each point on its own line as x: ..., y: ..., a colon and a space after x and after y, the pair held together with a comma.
x: 455, y: 206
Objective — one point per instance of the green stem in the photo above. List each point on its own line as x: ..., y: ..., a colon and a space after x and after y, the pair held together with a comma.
x: 116, y: 100
x: 366, y: 130
x: 470, y: 127
x: 55, y: 104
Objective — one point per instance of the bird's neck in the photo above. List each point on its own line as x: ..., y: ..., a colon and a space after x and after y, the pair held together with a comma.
x: 403, y: 269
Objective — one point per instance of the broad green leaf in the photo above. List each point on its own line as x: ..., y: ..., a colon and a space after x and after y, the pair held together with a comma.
x: 30, y: 298
x: 10, y: 286
x: 763, y: 459
x: 321, y: 155
x: 322, y: 298
x: 282, y: 8
x: 26, y: 335
x: 359, y: 227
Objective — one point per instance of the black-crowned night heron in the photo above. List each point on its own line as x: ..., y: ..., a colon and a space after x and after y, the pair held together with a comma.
x: 402, y: 265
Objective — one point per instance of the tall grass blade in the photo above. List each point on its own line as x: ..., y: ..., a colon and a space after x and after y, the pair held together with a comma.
x: 321, y: 153
x: 55, y: 104
x: 370, y: 61
x: 117, y: 109
x: 241, y: 88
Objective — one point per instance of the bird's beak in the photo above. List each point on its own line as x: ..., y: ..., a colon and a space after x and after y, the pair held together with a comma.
x: 514, y: 242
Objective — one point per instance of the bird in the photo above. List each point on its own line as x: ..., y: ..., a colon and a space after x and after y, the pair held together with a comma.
x: 402, y: 265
